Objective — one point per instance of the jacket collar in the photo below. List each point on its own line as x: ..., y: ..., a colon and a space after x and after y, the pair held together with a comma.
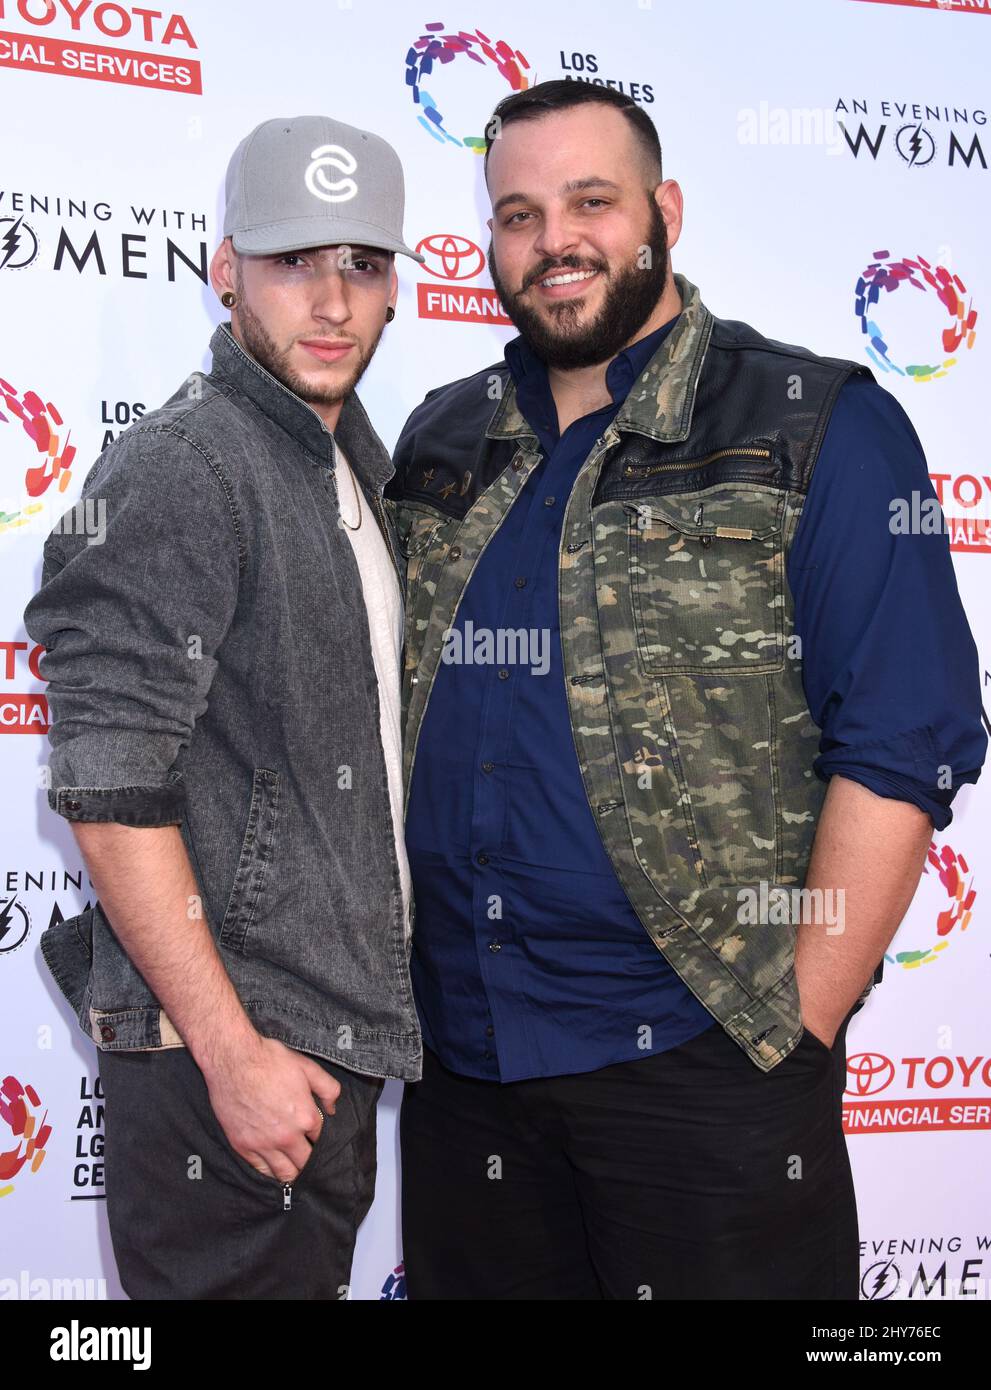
x: 660, y: 402
x: 366, y: 453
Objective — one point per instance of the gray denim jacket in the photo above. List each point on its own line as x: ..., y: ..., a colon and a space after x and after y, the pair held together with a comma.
x: 209, y: 666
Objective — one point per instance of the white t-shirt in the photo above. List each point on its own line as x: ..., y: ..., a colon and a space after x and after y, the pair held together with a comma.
x: 383, y: 602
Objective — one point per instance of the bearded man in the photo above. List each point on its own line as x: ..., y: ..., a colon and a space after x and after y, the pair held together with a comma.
x: 633, y: 1015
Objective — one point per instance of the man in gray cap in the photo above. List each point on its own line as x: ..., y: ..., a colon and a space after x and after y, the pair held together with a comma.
x: 223, y: 681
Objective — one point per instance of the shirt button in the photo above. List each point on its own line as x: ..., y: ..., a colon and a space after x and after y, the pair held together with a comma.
x: 517, y: 465
x: 454, y: 553
x: 481, y: 859
x: 549, y: 501
x: 504, y: 675
x: 520, y: 583
x: 487, y: 767
x: 73, y: 805
x: 494, y: 946
x: 107, y: 1033
x: 489, y: 1031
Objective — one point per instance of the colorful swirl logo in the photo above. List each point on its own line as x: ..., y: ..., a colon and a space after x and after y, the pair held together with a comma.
x: 889, y: 275
x: 436, y: 47
x: 952, y: 871
x: 42, y: 423
x: 18, y: 1110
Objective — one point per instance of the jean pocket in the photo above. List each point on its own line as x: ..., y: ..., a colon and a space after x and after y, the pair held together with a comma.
x: 317, y: 1148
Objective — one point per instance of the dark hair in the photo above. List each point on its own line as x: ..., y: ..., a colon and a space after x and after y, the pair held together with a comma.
x: 561, y: 94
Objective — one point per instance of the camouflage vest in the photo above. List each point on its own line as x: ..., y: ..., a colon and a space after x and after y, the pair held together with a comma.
x: 684, y: 680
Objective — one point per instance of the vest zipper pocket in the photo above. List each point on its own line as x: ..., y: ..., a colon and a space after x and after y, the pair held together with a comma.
x: 647, y: 470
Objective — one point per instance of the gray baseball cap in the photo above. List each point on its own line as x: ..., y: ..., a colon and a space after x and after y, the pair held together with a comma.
x: 304, y: 181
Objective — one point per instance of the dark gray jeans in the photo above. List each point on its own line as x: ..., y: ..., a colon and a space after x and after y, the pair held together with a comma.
x: 191, y: 1219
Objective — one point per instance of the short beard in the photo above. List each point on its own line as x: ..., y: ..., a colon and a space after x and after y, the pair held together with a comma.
x: 631, y: 297
x: 275, y: 360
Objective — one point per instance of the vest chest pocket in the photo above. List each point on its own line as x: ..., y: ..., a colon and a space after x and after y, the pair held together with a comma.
x: 707, y: 581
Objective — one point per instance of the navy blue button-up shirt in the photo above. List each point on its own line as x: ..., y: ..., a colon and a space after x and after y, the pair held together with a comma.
x: 528, y: 959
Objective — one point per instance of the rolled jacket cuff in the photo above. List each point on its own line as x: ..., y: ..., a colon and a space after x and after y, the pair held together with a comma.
x: 140, y: 806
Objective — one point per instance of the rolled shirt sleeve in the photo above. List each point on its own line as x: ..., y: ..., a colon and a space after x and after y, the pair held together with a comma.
x: 131, y: 617
x: 890, y: 667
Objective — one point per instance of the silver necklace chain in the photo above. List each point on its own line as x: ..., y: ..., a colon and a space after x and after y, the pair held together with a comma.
x: 357, y: 498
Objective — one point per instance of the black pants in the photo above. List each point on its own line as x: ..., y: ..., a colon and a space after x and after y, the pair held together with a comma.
x: 689, y: 1174
x: 189, y: 1218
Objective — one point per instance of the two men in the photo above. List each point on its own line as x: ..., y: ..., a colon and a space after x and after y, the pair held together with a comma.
x: 224, y: 688
x: 631, y: 1086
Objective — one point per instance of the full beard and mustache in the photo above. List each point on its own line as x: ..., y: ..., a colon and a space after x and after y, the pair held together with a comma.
x: 631, y: 296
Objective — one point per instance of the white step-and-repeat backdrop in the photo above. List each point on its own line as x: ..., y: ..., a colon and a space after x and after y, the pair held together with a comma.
x: 834, y: 160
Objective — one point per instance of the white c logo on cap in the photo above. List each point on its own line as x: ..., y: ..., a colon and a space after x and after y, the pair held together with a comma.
x: 331, y: 157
